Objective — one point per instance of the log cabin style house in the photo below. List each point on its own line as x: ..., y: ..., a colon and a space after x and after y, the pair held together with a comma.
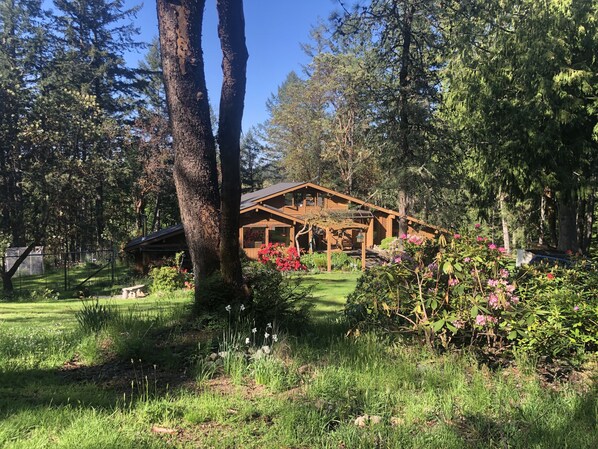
x: 290, y: 213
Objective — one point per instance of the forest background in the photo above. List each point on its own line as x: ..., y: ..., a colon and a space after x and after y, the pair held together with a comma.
x: 452, y: 112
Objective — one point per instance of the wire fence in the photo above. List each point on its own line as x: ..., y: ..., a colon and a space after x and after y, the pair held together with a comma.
x: 78, y: 273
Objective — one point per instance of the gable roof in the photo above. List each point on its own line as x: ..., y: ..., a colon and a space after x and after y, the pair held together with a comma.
x: 256, y: 200
x: 286, y: 187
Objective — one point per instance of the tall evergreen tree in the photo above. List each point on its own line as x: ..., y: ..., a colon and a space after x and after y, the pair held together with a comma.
x: 522, y: 85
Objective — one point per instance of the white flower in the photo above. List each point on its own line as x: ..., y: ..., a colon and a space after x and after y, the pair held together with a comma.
x: 254, y: 330
x: 227, y: 308
x: 269, y: 326
x: 242, y: 307
x: 275, y: 337
x: 266, y: 335
x: 247, y: 341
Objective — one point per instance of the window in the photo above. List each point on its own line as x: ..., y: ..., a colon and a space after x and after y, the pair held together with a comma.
x: 280, y: 235
x: 254, y: 237
x: 289, y: 199
x: 320, y: 200
x: 310, y: 200
x: 299, y: 199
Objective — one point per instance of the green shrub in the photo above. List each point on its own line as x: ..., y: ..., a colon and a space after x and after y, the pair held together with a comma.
x: 166, y: 279
x: 385, y: 243
x: 558, y: 315
x: 93, y: 316
x: 277, y: 297
x: 43, y: 295
x: 340, y: 262
x: 467, y: 292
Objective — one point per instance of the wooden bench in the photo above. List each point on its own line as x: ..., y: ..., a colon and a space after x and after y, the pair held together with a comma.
x: 137, y: 291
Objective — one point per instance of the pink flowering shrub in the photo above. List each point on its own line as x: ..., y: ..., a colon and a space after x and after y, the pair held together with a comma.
x: 465, y: 291
x: 455, y: 291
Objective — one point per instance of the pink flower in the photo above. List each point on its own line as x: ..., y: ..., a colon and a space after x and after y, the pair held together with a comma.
x: 492, y: 282
x: 515, y: 299
x: 478, y: 226
x: 501, y: 249
x: 550, y: 276
x: 504, y: 273
x: 404, y: 237
x: 467, y: 260
x: 453, y: 281
x: 457, y: 236
x: 398, y: 260
x: 492, y: 246
x: 576, y: 308
x: 493, y: 301
x: 416, y: 240
x: 482, y: 320
x: 479, y: 238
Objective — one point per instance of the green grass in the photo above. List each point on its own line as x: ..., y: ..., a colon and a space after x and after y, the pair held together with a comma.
x: 307, y: 395
x: 330, y: 290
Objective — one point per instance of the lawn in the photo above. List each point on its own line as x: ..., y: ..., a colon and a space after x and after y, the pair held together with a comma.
x: 149, y: 384
x: 95, y: 279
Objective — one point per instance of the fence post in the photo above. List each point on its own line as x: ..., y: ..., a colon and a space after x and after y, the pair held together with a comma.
x: 66, y: 281
x: 112, y: 265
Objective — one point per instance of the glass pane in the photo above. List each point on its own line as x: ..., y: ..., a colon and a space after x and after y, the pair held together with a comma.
x: 280, y: 235
x: 254, y: 237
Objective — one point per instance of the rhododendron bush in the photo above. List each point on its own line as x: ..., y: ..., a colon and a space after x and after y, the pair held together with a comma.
x: 464, y: 290
x: 280, y: 257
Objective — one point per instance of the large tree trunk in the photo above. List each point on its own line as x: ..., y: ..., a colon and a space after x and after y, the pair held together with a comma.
x: 195, y: 174
x: 585, y: 221
x: 231, y: 30
x: 8, y: 274
x: 567, y: 212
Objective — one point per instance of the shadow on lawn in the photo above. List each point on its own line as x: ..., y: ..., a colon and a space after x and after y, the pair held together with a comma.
x: 119, y: 380
x: 531, y: 428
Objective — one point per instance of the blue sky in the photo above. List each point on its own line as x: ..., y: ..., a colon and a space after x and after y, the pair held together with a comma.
x: 275, y: 30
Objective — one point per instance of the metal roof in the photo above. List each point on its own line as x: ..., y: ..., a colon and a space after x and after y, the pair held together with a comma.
x: 162, y: 233
x: 249, y: 199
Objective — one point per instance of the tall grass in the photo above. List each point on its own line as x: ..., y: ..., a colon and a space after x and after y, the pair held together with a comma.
x: 307, y: 394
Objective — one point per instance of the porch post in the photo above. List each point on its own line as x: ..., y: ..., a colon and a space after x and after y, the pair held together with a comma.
x: 363, y: 255
x: 389, y: 223
x: 310, y: 236
x: 267, y: 234
x: 329, y: 248
x: 369, y: 235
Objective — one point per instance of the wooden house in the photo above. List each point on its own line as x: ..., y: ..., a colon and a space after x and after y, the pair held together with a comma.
x: 314, y: 217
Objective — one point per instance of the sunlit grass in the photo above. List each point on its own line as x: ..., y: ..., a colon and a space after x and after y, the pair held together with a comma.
x: 307, y: 395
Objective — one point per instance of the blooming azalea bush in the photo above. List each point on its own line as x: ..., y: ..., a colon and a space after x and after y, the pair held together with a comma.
x: 281, y: 257
x: 465, y: 291
x: 455, y: 291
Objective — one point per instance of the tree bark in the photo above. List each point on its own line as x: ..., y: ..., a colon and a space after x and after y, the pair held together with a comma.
x: 403, y: 204
x: 567, y: 213
x: 505, y: 223
x: 7, y: 286
x: 231, y: 31
x: 585, y: 221
x: 195, y: 173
